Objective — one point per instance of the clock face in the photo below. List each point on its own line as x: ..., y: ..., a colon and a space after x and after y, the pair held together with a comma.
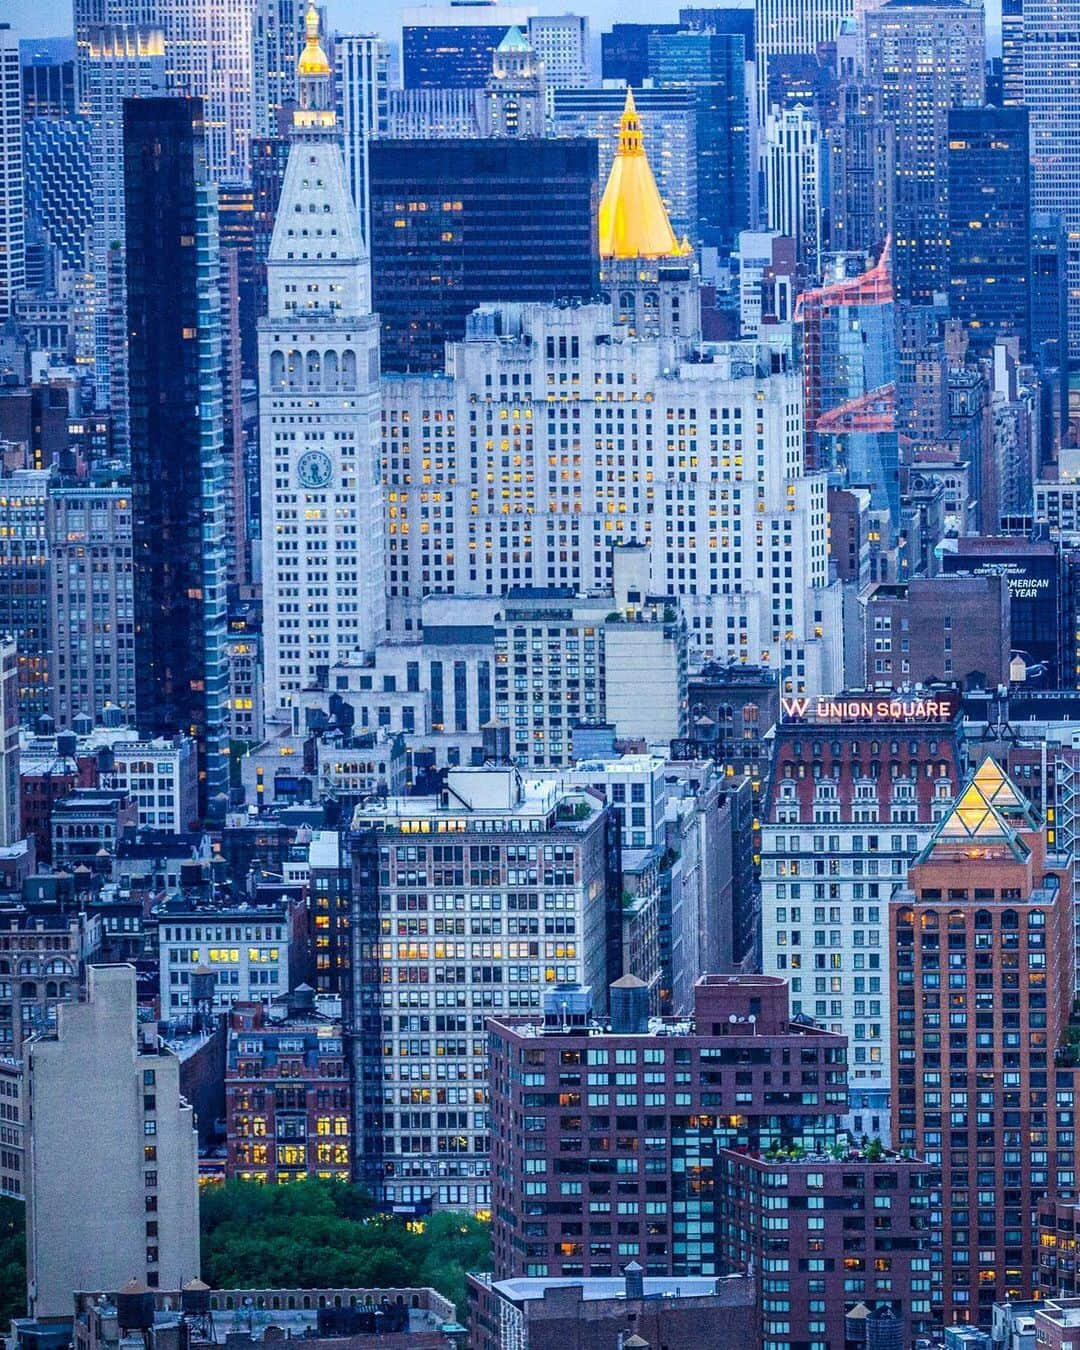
x: 314, y: 469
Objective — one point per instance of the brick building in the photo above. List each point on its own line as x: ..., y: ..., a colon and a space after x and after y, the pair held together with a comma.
x: 592, y: 1314
x: 287, y: 1099
x: 982, y: 957
x: 939, y: 628
x: 856, y: 789
x: 701, y: 1147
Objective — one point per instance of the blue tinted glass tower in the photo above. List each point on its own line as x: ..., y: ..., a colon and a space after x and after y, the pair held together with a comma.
x: 177, y: 459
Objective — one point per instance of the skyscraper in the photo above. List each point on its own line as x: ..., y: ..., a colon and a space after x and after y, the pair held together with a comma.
x: 91, y: 615
x: 990, y: 225
x: 322, y: 500
x: 926, y: 58
x: 561, y: 43
x: 12, y: 207
x: 277, y: 33
x: 24, y: 583
x: 849, y: 378
x: 1051, y: 84
x: 59, y: 187
x: 114, y: 63
x: 512, y: 218
x: 177, y: 462
x: 514, y: 93
x: 450, y: 46
x: 712, y: 66
x: 792, y: 27
x: 363, y: 81
x: 858, y: 166
x: 793, y: 189
x: 208, y: 54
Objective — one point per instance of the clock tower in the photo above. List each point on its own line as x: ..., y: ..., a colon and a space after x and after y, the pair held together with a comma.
x: 319, y: 414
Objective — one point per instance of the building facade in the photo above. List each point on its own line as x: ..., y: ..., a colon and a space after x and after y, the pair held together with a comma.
x: 177, y: 459
x: 990, y: 225
x: 287, y: 1101
x: 321, y: 488
x: 523, y: 895
x: 137, y: 1130
x: 91, y: 608
x: 989, y: 894
x: 452, y: 209
x: 851, y: 800
x: 12, y: 174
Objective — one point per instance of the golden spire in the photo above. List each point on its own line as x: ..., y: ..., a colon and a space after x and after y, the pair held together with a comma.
x: 633, y: 220
x: 313, y: 60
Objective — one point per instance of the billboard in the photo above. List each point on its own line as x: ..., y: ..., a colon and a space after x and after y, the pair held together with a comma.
x: 1034, y: 592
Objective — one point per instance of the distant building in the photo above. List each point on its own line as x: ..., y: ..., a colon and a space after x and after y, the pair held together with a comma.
x: 10, y: 814
x: 288, y: 1111
x: 337, y: 1319
x: 135, y: 1129
x: 253, y: 952
x: 91, y: 603
x: 13, y: 1122
x: 86, y: 825
x: 931, y: 629
x: 992, y: 888
x: 701, y: 1101
x: 851, y: 799
x: 990, y: 225
x: 669, y: 118
x: 450, y: 46
x: 926, y: 60
x: 12, y: 174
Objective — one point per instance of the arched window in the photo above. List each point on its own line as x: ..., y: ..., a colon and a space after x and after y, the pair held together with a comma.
x: 330, y: 370
x: 294, y: 375
x: 348, y: 369
x: 277, y: 369
x: 314, y: 370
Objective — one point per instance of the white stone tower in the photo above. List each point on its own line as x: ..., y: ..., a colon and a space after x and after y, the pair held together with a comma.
x: 323, y: 530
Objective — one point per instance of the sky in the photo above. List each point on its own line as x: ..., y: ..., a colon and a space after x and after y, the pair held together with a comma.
x: 50, y: 18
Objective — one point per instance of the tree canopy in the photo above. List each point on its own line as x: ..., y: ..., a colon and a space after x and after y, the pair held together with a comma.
x: 323, y: 1234
x: 12, y: 1260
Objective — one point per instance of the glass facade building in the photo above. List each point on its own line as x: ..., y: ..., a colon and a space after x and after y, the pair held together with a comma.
x: 177, y: 460
x: 713, y: 67
x: 458, y: 223
x: 849, y: 380
x: 990, y: 225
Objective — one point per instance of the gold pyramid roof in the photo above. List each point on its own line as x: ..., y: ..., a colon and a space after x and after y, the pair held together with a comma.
x: 313, y: 60
x: 633, y: 219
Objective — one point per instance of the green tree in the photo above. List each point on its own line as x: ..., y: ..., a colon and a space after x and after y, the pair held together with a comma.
x: 12, y: 1259
x: 322, y: 1234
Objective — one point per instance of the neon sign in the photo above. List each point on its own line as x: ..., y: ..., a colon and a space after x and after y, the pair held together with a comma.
x: 852, y: 708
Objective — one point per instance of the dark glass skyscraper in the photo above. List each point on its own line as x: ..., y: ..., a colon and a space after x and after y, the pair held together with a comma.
x: 177, y: 463
x: 624, y: 51
x: 925, y: 58
x: 449, y: 56
x: 990, y: 225
x: 713, y: 66
x: 455, y: 223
